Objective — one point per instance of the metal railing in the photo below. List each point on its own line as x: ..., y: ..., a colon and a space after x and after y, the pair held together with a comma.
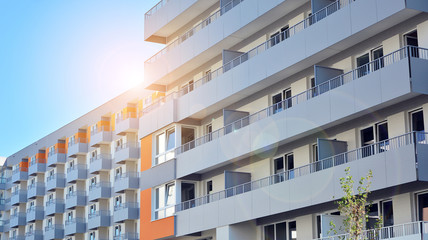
x: 396, y: 231
x: 98, y: 214
x: 54, y: 201
x: 55, y: 176
x: 40, y: 160
x: 154, y: 9
x: 100, y: 185
x: 54, y: 226
x: 20, y: 169
x: 77, y: 140
x: 57, y: 150
x: 35, y: 184
x: 34, y: 233
x: 101, y: 129
x: 34, y: 208
x: 126, y: 145
x: 127, y: 175
x: 308, y: 94
x: 75, y: 194
x: 207, y: 21
x: 77, y: 167
x: 100, y: 157
x: 339, y: 159
x: 126, y: 116
x: 74, y: 220
x: 127, y: 236
x: 126, y: 205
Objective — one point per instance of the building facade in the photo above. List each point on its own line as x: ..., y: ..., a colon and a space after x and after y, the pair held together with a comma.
x: 242, y: 129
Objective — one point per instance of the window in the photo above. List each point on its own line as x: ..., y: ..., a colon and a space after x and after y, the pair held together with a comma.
x: 411, y: 39
x: 187, y: 136
x: 93, y: 182
x: 118, y: 172
x: 188, y: 193
x: 315, y: 153
x: 118, y: 201
x: 164, y: 199
x: 378, y: 133
x: 278, y: 231
x: 279, y: 100
x: 208, y: 132
x: 69, y: 216
x: 70, y: 190
x: 119, y: 144
x: 30, y: 228
x: 92, y: 236
x: 283, y: 166
x: 92, y: 209
x: 117, y: 230
x: 94, y: 154
x: 71, y: 139
x: 209, y: 187
x: 49, y: 222
x: 165, y: 142
x: 363, y: 68
x: 387, y: 213
x: 208, y: 75
x: 362, y: 62
x: 94, y: 128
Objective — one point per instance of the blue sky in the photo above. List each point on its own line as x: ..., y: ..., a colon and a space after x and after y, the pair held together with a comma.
x: 61, y: 59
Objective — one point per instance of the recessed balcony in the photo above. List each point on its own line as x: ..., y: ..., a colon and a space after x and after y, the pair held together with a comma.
x: 78, y: 147
x: 35, y: 235
x: 126, y: 211
x: 75, y: 225
x: 54, y: 232
x: 19, y: 196
x: 7, y: 204
x: 127, y: 123
x: 127, y: 152
x: 35, y: 213
x: 2, y: 204
x: 55, y: 181
x: 3, y: 183
x: 99, y: 219
x: 37, y: 166
x: 20, y: 174
x: 77, y: 172
x: 58, y: 156
x: 76, y: 199
x: 18, y: 219
x: 126, y: 181
x: 102, y: 135
x: 101, y: 190
x: 54, y: 206
x: 17, y: 237
x: 102, y: 162
x: 36, y: 189
x: 299, y: 187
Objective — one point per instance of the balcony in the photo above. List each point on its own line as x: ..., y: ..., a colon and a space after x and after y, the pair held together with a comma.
x: 102, y: 135
x: 19, y: 196
x: 77, y: 172
x: 19, y: 219
x: 407, y: 231
x: 125, y: 181
x: 299, y: 187
x: 126, y: 211
x: 372, y: 86
x: 58, y: 156
x: 54, y: 206
x: 102, y: 162
x: 54, y: 232
x: 127, y: 123
x: 78, y: 147
x: 3, y: 183
x: 38, y: 166
x: 127, y: 151
x: 20, y: 174
x: 75, y: 225
x: 35, y: 213
x: 266, y: 63
x: 101, y: 190
x: 55, y: 181
x: 99, y: 219
x: 127, y: 236
x: 76, y: 199
x: 36, y: 190
x: 2, y: 204
x: 7, y: 206
x: 35, y: 235
x: 167, y: 16
x: 4, y: 226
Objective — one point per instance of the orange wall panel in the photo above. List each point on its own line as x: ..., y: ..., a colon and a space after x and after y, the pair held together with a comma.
x: 157, y: 229
x: 146, y: 153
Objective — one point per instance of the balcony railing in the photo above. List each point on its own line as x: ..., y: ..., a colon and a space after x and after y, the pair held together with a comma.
x: 308, y: 94
x: 126, y: 116
x: 126, y: 236
x: 54, y: 201
x: 154, y: 9
x: 34, y: 208
x: 340, y: 159
x: 98, y: 214
x: 75, y: 194
x: 55, y: 176
x: 126, y: 175
x: 77, y: 140
x: 396, y: 231
x: 321, y: 14
x: 77, y: 167
x: 39, y: 160
x: 126, y: 205
x: 20, y: 169
x: 99, y: 157
x: 194, y: 30
x: 57, y: 150
x: 75, y: 220
x: 101, y: 129
x: 54, y: 226
x: 99, y: 185
x: 126, y: 145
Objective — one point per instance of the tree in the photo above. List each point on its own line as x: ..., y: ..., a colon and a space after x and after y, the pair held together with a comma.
x: 353, y: 206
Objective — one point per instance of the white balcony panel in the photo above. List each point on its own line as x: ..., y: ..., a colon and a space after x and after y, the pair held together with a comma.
x: 157, y: 118
x: 308, y: 190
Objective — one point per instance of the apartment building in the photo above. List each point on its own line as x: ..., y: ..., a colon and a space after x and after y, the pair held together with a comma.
x: 242, y: 128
